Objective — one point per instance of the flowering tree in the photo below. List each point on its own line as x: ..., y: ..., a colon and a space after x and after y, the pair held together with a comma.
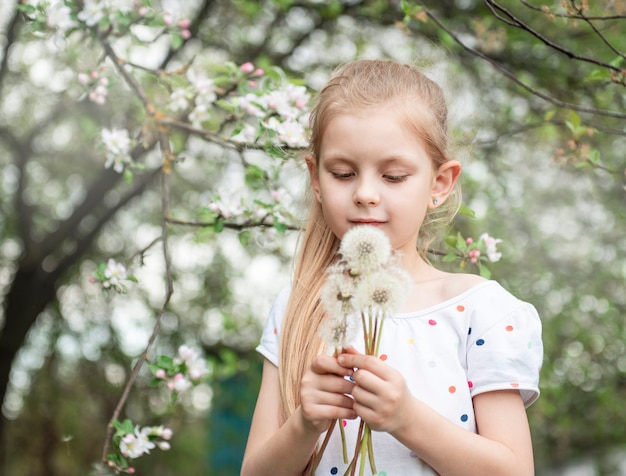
x: 129, y: 126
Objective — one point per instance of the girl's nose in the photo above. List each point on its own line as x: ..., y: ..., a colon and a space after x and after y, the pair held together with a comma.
x: 366, y: 193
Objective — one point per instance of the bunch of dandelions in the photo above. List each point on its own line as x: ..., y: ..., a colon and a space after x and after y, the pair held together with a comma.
x: 361, y: 289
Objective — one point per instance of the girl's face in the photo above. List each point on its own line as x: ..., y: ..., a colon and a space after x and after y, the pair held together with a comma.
x: 372, y: 170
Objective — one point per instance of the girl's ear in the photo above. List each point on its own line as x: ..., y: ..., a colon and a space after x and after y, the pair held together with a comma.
x: 444, y: 181
x: 314, y: 174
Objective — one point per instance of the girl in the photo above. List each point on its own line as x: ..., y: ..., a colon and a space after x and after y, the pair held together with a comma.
x: 461, y: 358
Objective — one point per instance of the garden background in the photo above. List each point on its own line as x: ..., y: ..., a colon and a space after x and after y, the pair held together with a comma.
x: 198, y: 201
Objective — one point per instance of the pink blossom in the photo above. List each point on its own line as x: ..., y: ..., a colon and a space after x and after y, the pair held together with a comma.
x: 83, y: 78
x: 143, y: 11
x: 160, y: 373
x: 247, y: 68
x: 259, y: 72
x: 184, y: 23
x: 94, y: 74
x: 167, y: 19
x: 186, y: 34
x: 469, y: 240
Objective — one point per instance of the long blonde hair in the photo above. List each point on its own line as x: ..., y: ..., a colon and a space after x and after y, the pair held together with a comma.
x: 356, y: 86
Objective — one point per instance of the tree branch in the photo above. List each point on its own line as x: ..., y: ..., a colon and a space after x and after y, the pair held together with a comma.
x: 511, y: 20
x: 11, y: 34
x: 505, y: 72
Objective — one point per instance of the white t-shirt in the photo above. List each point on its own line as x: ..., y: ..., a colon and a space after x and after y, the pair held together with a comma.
x: 482, y: 340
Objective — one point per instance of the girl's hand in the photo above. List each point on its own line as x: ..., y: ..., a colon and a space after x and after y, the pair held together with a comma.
x: 381, y: 397
x: 323, y: 393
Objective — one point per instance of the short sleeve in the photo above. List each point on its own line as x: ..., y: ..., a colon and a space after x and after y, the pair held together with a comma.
x: 268, y: 347
x: 508, y: 354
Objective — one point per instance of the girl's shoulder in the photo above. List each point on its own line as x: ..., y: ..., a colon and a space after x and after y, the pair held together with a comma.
x: 440, y: 287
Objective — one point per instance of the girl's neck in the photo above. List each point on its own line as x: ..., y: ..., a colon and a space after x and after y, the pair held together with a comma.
x: 419, y: 269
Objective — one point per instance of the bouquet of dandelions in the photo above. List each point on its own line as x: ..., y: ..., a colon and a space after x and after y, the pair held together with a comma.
x: 361, y: 289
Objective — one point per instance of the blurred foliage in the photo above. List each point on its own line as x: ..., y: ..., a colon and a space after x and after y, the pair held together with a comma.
x: 539, y: 127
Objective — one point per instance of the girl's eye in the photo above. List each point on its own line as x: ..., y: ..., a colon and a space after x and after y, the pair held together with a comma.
x: 395, y: 178
x: 342, y: 175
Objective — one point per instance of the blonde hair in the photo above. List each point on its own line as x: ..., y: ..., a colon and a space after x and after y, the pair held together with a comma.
x: 357, y: 86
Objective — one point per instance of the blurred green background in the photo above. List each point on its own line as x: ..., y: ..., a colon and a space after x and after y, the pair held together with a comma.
x: 537, y: 108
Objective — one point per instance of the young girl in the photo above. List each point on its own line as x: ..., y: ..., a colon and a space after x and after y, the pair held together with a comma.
x: 460, y: 360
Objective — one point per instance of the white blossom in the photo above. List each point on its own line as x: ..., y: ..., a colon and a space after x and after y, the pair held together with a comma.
x: 114, y: 273
x: 117, y: 144
x: 133, y: 445
x: 491, y: 245
x: 93, y: 11
x: 199, y: 115
x: 205, y: 90
x: 247, y: 135
x: 178, y: 100
x: 59, y: 17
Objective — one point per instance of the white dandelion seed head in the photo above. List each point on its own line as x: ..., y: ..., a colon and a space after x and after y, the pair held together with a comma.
x: 337, y: 331
x: 365, y: 248
x: 383, y: 291
x: 337, y: 295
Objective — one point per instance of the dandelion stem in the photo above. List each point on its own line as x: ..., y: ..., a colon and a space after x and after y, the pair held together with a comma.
x: 370, y: 449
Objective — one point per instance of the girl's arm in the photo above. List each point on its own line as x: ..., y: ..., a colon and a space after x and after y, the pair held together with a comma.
x: 276, y: 449
x: 502, y: 446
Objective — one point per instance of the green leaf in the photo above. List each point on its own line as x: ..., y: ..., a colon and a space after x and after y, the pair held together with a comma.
x: 460, y: 243
x: 128, y: 176
x: 451, y: 241
x: 449, y: 258
x: 467, y: 211
x: 26, y: 8
x: 177, y: 41
x: 255, y: 176
x: 244, y: 237
x: 218, y: 226
x: 484, y: 271
x: 280, y: 226
x: 165, y: 362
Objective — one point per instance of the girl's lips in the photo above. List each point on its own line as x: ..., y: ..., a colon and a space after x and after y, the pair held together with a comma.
x: 367, y: 222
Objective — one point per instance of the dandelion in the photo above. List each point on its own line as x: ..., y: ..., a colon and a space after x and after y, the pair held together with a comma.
x: 365, y: 283
x: 365, y: 248
x: 382, y: 291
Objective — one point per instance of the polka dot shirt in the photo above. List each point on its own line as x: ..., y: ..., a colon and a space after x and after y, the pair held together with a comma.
x: 482, y: 340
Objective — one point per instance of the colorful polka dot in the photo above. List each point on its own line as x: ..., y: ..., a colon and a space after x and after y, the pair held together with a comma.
x: 460, y: 308
x: 452, y: 389
x: 410, y: 341
x: 382, y: 473
x: 432, y: 364
x: 515, y: 385
x: 464, y: 417
x: 432, y: 322
x: 412, y: 454
x: 275, y: 331
x: 470, y: 384
x: 509, y: 328
x: 344, y: 422
x: 469, y: 331
x: 383, y: 357
x: 480, y: 342
x: 334, y: 470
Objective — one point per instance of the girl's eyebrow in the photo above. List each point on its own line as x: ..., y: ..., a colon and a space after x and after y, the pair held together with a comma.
x: 343, y: 160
